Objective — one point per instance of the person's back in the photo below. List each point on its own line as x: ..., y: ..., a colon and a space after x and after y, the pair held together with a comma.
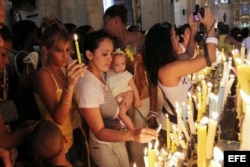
x: 226, y: 41
x: 48, y: 145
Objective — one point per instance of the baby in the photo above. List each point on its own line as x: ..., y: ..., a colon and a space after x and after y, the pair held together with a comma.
x: 119, y: 81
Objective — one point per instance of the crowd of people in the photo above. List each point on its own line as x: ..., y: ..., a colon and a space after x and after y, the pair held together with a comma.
x: 103, y: 110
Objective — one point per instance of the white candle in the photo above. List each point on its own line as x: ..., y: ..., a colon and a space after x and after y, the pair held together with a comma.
x: 220, y: 100
x: 212, y: 103
x: 183, y: 128
x: 212, y: 126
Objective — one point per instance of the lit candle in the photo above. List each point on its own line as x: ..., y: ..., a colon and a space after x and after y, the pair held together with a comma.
x: 218, y: 157
x: 201, y: 144
x: 167, y: 131
x: 151, y: 155
x: 212, y: 125
x: 77, y: 49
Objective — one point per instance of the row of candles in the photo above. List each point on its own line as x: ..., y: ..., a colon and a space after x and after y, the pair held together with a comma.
x: 243, y: 98
x: 204, y: 127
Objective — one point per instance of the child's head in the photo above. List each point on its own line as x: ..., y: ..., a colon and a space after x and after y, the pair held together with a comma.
x: 119, y: 61
x: 47, y: 140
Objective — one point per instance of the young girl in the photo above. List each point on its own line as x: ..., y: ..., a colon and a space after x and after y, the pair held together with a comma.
x: 119, y: 81
x: 170, y: 72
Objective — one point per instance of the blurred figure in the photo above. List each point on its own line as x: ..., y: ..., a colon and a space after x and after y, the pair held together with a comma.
x: 226, y: 41
x: 5, y: 158
x: 48, y: 145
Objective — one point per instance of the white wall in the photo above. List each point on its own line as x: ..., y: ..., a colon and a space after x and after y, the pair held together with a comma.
x: 180, y: 17
x: 79, y: 12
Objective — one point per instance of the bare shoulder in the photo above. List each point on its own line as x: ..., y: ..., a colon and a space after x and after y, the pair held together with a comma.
x: 41, y: 77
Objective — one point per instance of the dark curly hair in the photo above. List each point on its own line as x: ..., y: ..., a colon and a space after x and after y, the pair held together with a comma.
x: 117, y: 10
x: 158, y: 49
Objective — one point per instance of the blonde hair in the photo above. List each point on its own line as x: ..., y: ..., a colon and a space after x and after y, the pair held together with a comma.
x: 118, y: 51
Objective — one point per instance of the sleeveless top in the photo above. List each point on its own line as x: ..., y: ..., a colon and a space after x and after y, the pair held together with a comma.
x: 67, y: 127
x: 176, y: 94
x: 101, y: 97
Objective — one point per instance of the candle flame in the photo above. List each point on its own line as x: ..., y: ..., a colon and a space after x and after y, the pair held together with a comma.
x: 214, y: 115
x: 166, y: 115
x: 204, y: 120
x: 75, y: 37
x: 209, y: 84
x: 134, y: 165
x: 218, y: 154
x: 150, y: 145
x: 199, y: 89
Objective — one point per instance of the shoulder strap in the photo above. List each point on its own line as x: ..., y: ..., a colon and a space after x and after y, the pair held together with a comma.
x: 52, y: 76
x: 172, y: 108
